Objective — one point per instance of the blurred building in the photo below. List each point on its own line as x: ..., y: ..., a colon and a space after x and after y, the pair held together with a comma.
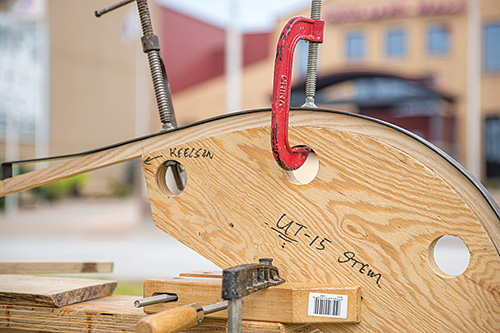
x: 70, y: 82
x: 196, y: 57
x: 404, y: 62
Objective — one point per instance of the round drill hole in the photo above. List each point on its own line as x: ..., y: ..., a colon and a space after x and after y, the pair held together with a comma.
x: 449, y: 256
x: 307, y: 172
x: 171, y: 178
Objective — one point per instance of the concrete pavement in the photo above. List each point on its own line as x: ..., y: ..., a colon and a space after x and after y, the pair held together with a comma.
x: 120, y: 231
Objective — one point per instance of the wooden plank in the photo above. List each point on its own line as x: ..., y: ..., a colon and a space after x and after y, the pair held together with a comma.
x: 107, y: 314
x: 286, y: 303
x: 203, y: 274
x: 41, y: 267
x: 248, y: 326
x: 112, y: 314
x: 51, y: 291
x: 370, y: 218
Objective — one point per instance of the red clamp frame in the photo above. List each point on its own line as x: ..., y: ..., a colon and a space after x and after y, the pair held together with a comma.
x: 296, y: 29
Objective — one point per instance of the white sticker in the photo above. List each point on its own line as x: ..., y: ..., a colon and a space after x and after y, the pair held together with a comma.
x: 327, y: 305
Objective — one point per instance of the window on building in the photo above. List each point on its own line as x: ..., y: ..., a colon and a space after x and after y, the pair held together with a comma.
x: 491, y: 47
x: 492, y: 147
x: 438, y: 40
x: 396, y: 43
x: 355, y: 45
x: 23, y: 50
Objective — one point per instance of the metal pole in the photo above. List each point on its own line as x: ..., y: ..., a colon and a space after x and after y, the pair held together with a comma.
x: 42, y: 126
x: 235, y: 315
x: 474, y: 147
x: 12, y: 154
x: 233, y: 62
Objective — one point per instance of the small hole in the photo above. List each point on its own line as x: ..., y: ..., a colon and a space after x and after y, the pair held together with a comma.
x: 231, y: 225
x: 171, y: 178
x: 307, y: 172
x: 449, y: 256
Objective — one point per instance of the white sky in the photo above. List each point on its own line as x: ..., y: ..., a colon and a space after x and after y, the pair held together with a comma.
x: 255, y: 15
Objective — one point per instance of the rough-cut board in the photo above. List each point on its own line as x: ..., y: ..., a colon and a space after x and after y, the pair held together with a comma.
x: 40, y: 267
x: 112, y: 314
x: 108, y: 314
x: 286, y: 303
x: 378, y: 204
x: 51, y: 291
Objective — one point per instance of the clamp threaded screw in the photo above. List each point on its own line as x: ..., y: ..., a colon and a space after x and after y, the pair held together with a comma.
x: 312, y: 60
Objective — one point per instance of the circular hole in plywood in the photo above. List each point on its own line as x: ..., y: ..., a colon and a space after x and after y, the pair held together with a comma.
x: 307, y: 172
x: 171, y: 178
x: 449, y: 256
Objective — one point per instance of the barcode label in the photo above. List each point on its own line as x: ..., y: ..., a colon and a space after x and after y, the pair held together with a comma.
x: 327, y: 305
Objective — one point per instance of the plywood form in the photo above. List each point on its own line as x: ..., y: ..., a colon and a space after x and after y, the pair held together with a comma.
x: 380, y: 201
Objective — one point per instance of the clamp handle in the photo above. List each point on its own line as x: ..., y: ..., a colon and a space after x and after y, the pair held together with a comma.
x: 174, y: 320
x: 296, y: 29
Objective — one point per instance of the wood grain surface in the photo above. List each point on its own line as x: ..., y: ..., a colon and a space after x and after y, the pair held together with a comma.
x: 285, y: 303
x: 380, y: 200
x: 108, y: 314
x: 112, y: 314
x: 51, y: 291
x: 41, y: 267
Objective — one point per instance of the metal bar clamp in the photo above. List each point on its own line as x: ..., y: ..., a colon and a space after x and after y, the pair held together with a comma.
x: 237, y: 282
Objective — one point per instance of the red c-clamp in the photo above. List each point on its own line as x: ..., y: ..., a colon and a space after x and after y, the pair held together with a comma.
x: 296, y: 29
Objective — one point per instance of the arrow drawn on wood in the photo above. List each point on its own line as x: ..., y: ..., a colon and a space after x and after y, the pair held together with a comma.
x: 150, y: 159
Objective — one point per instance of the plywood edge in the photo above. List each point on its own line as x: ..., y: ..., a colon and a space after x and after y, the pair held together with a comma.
x: 41, y: 267
x: 86, y: 293
x: 47, y: 291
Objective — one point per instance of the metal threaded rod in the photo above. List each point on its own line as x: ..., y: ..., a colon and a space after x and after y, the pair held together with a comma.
x: 158, y: 73
x: 147, y: 27
x: 166, y: 114
x: 312, y: 60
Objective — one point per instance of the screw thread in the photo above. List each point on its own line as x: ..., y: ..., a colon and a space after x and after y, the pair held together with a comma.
x: 159, y: 87
x: 312, y: 60
x: 147, y: 27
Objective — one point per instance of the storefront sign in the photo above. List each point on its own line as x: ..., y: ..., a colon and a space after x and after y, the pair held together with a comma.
x: 393, y: 11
